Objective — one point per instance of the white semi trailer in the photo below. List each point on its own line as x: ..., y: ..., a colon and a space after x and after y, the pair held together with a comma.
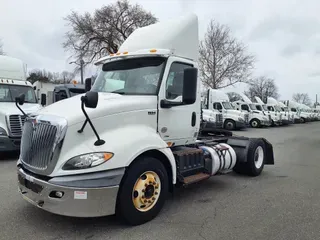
x: 13, y: 83
x: 142, y: 139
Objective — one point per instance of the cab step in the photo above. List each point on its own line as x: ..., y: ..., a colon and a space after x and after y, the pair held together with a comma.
x: 195, y: 178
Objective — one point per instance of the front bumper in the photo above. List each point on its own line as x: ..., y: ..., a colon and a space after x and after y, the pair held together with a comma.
x: 9, y: 144
x: 266, y: 123
x: 240, y: 125
x: 87, y: 195
x: 285, y: 122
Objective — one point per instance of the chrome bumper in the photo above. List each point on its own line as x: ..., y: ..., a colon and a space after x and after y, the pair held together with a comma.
x: 93, y: 201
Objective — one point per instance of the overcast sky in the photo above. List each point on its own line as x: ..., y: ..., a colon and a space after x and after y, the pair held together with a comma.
x: 282, y: 34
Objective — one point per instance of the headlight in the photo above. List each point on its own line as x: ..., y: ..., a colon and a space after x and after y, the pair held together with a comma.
x: 87, y: 161
x: 3, y: 132
x: 241, y: 119
x: 211, y: 120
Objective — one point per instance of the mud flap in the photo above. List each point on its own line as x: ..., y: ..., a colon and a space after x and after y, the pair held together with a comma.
x: 241, y: 146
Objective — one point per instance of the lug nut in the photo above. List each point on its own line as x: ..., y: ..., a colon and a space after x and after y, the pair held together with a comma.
x: 153, y: 198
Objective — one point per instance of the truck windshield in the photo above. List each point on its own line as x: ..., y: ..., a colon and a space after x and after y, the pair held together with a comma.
x: 253, y: 107
x: 265, y: 108
x: 259, y: 107
x: 9, y: 92
x: 227, y: 105
x: 137, y: 76
x: 277, y: 108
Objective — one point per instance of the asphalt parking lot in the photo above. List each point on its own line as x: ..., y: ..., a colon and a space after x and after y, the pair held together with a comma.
x: 282, y: 203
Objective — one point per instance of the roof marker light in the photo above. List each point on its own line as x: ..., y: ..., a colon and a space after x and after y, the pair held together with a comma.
x: 153, y: 50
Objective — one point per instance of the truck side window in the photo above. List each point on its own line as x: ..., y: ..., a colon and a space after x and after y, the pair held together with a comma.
x: 270, y: 108
x: 174, y: 84
x: 60, y: 95
x: 258, y: 107
x: 245, y: 108
x: 217, y: 106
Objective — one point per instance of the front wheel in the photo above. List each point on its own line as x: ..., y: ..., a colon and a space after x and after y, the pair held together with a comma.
x: 143, y: 191
x: 255, y: 123
x: 229, y: 124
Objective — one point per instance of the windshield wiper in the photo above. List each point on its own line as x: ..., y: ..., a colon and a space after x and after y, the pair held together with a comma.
x: 122, y: 93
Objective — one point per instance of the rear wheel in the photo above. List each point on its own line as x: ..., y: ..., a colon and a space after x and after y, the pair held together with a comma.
x: 255, y: 123
x: 229, y: 124
x: 255, y: 159
x: 143, y: 191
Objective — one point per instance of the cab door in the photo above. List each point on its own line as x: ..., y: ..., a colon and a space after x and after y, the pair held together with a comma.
x: 179, y: 123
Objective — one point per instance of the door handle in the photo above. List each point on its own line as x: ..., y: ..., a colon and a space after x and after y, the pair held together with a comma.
x: 193, y: 119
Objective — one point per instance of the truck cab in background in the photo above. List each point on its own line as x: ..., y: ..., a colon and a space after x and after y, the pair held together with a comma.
x: 212, y: 118
x: 56, y: 92
x: 296, y: 108
x: 232, y: 118
x: 13, y: 83
x: 273, y: 105
x: 256, y: 118
x: 275, y: 116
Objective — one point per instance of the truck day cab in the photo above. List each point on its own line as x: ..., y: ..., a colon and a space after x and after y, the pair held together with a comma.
x: 120, y: 150
x: 276, y: 117
x: 257, y: 118
x: 13, y: 83
x: 217, y: 100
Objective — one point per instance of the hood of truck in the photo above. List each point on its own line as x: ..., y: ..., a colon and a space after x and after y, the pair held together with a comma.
x: 10, y: 108
x: 108, y: 104
x: 233, y: 112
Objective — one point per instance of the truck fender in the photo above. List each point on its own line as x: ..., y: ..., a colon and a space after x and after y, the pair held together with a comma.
x: 136, y: 140
x: 241, y: 146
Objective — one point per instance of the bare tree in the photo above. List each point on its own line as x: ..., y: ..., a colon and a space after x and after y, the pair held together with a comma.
x: 302, y: 98
x: 47, y: 76
x: 223, y: 60
x: 95, y: 35
x: 67, y: 77
x: 262, y: 87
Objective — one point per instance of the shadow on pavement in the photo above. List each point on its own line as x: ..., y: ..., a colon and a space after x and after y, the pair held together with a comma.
x: 9, y: 156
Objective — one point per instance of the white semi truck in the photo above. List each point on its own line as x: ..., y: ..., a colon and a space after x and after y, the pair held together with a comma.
x: 273, y: 106
x: 257, y: 118
x: 296, y: 107
x: 276, y: 117
x: 216, y: 100
x: 13, y: 83
x: 120, y: 151
x: 213, y: 119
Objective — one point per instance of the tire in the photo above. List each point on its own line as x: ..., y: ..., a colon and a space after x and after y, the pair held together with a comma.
x: 255, y: 159
x: 255, y: 123
x: 143, y: 170
x: 229, y: 124
x: 303, y: 120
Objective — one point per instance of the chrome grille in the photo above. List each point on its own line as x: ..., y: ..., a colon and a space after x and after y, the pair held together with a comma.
x: 41, y: 143
x: 246, y: 118
x: 37, y: 144
x: 15, y: 125
x: 219, y: 120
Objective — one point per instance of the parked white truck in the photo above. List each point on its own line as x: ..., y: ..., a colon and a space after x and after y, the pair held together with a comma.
x: 274, y: 106
x: 276, y: 117
x: 142, y: 139
x: 12, y: 83
x: 213, y: 118
x: 217, y: 100
x: 296, y: 107
x: 257, y: 118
